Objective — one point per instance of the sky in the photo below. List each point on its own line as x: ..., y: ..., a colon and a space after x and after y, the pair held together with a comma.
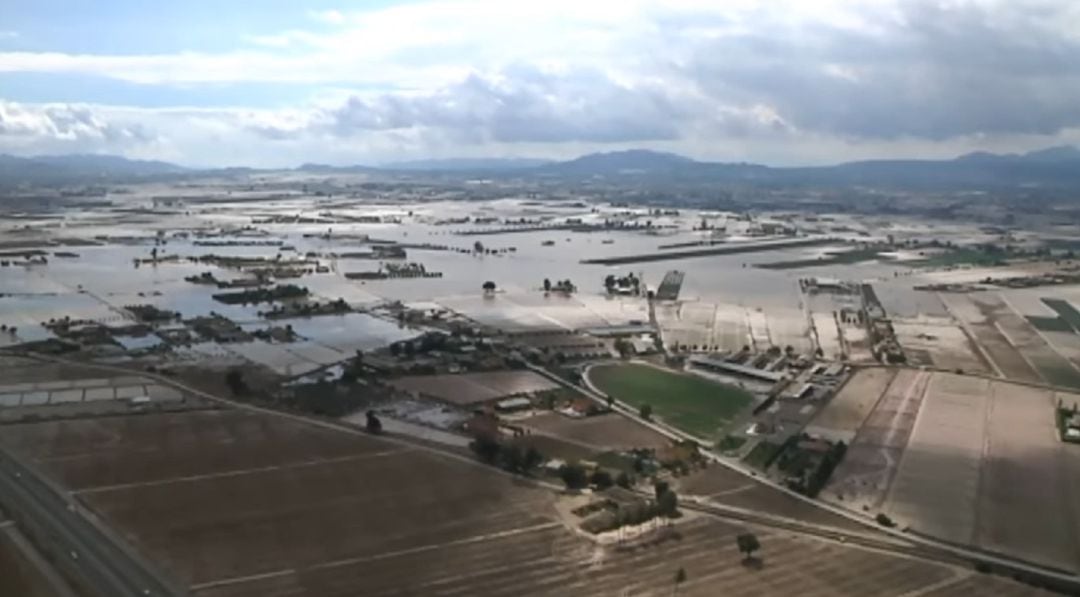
x: 277, y: 83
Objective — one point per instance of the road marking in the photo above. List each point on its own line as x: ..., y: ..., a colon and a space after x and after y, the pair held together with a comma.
x: 239, y: 579
x: 239, y: 473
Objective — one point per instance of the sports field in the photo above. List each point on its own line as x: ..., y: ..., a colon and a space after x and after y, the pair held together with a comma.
x: 693, y: 404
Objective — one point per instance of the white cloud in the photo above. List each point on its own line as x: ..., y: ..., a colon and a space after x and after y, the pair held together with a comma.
x: 708, y: 77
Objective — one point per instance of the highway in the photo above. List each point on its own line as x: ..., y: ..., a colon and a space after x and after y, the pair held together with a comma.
x: 79, y: 546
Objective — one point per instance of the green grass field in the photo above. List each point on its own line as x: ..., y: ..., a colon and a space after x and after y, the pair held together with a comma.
x: 693, y: 404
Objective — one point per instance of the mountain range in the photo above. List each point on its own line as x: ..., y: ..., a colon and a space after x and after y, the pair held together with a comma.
x: 1054, y: 168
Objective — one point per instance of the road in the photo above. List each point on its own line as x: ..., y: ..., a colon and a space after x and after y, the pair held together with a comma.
x: 61, y: 527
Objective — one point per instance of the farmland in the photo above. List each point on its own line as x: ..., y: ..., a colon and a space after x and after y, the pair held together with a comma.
x: 610, y: 431
x: 470, y: 388
x: 843, y: 415
x: 548, y: 561
x: 242, y: 504
x: 690, y: 403
x: 955, y: 457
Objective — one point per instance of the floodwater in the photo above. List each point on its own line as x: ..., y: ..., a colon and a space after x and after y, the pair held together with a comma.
x: 104, y: 279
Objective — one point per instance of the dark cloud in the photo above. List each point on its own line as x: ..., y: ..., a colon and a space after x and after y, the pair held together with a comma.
x: 523, y: 105
x: 936, y: 72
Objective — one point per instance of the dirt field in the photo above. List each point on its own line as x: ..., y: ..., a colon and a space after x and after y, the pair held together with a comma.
x: 937, y: 482
x: 845, y: 413
x: 977, y: 316
x: 609, y: 432
x: 1053, y: 367
x: 299, y: 512
x: 470, y: 388
x: 938, y: 342
x: 548, y: 561
x: 1022, y: 472
x: 863, y: 477
x: 724, y: 486
x: 103, y: 452
x: 983, y: 466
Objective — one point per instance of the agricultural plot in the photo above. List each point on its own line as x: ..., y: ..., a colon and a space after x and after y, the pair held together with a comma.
x: 472, y: 388
x: 976, y: 461
x: 730, y: 328
x: 610, y: 431
x: 103, y: 452
x: 938, y: 342
x: 686, y: 324
x: 978, y: 319
x: 370, y: 522
x: 549, y: 561
x: 845, y: 413
x: 938, y: 479
x: 686, y: 401
x: 1021, y: 471
x: 1051, y: 366
x: 827, y: 336
x: 863, y: 476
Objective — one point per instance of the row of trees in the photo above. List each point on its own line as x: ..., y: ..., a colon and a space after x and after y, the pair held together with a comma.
x: 509, y: 457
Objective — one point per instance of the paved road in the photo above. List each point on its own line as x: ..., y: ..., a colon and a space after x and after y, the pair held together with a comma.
x: 59, y: 526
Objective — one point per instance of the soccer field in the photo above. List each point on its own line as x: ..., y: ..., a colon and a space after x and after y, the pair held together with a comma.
x: 693, y: 404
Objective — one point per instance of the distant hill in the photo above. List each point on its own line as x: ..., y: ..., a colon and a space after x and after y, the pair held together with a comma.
x: 456, y: 164
x: 1052, y: 168
x: 80, y: 168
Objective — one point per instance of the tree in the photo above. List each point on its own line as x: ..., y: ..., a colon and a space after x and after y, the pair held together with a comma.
x: 478, y: 247
x: 512, y: 458
x: 668, y: 504
x: 748, y: 543
x: 374, y: 425
x: 395, y: 349
x: 489, y: 287
x: 574, y: 476
x: 645, y: 411
x: 547, y: 285
x: 486, y: 449
x: 609, y: 282
x: 533, y: 458
x: 680, y: 578
x: 660, y: 488
x: 235, y: 380
x: 601, y: 479
x: 624, y: 480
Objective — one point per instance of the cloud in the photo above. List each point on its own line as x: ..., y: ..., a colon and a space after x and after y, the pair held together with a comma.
x: 744, y: 79
x: 522, y: 105
x: 66, y: 123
